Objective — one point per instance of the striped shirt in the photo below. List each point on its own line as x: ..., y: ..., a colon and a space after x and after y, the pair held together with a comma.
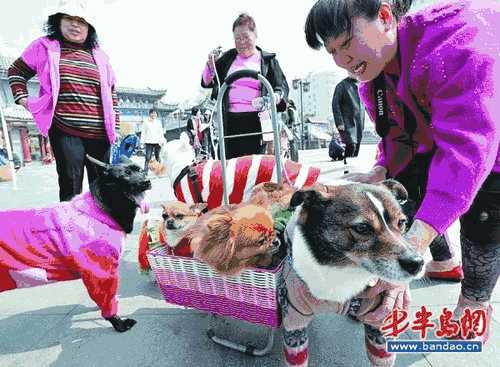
x: 79, y: 110
x: 19, y: 73
x: 243, y: 174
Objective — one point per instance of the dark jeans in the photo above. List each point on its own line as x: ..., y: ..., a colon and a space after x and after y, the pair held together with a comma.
x: 480, y: 240
x: 242, y: 123
x: 69, y: 153
x: 150, y: 149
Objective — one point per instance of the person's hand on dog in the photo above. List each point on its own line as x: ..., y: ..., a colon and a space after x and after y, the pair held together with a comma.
x: 376, y: 174
x: 393, y: 296
x: 121, y: 325
x: 420, y: 235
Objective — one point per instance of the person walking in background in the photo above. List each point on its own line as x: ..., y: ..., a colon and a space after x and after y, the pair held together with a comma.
x: 193, y: 128
x: 291, y: 112
x: 77, y: 104
x: 349, y: 115
x: 152, y: 137
x: 240, y: 115
x: 207, y: 133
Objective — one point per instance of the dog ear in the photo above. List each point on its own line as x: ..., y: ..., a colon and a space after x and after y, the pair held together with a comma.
x: 259, y: 198
x: 198, y: 208
x: 102, y: 168
x: 220, y: 244
x: 221, y: 222
x: 397, y: 189
x: 303, y: 197
x: 271, y: 186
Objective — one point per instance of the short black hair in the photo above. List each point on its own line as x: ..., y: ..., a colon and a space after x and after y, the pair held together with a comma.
x: 328, y: 19
x: 245, y: 19
x: 151, y: 110
x: 53, y: 29
x: 194, y: 110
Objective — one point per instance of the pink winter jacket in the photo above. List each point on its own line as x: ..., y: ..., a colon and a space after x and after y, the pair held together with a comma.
x: 43, y: 56
x: 66, y: 241
x: 450, y: 80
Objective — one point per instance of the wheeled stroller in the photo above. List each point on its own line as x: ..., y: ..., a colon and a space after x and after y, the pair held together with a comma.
x: 253, y: 295
x: 124, y: 147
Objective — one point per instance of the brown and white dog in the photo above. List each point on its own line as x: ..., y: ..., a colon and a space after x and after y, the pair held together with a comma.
x: 341, y: 242
x: 202, y: 181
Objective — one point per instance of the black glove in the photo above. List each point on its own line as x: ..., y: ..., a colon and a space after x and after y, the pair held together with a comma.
x: 121, y: 325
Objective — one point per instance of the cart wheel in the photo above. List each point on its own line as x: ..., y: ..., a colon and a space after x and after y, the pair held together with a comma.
x: 248, y: 349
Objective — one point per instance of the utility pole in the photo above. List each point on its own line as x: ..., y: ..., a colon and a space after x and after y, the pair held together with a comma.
x: 303, y: 86
x: 7, y: 145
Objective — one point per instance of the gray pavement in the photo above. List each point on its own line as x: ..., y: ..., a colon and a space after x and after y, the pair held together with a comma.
x: 59, y: 326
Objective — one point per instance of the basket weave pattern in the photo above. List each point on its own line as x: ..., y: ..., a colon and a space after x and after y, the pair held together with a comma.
x: 250, y: 296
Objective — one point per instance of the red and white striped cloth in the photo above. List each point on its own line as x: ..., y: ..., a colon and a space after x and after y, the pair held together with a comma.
x: 243, y: 174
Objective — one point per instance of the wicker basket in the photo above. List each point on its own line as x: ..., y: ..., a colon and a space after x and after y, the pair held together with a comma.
x: 251, y: 296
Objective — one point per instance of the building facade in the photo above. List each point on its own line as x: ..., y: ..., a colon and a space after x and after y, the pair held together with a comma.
x: 26, y: 143
x: 317, y: 100
x: 134, y: 105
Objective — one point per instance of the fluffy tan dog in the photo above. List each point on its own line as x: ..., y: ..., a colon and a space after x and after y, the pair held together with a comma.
x: 272, y: 195
x: 233, y: 237
x: 158, y: 168
x: 178, y: 217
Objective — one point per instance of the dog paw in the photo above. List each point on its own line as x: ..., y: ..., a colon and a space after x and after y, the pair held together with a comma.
x: 121, y: 325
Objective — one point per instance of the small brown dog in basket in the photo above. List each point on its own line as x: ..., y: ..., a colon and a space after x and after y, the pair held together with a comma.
x: 233, y: 237
x: 168, y: 230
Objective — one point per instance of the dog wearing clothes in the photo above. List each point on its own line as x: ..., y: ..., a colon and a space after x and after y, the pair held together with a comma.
x: 341, y: 242
x: 82, y: 238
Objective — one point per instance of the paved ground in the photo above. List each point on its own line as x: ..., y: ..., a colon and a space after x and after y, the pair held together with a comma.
x: 59, y: 326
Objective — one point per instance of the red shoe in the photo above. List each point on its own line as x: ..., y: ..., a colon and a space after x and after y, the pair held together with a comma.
x: 376, y: 348
x: 454, y: 275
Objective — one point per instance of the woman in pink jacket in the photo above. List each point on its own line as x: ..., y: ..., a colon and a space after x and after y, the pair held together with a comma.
x: 76, y: 106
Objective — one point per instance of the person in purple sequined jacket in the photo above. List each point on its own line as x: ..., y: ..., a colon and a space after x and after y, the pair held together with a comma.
x: 431, y: 82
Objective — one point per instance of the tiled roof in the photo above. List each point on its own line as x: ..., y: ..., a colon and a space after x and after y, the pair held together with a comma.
x: 17, y: 112
x: 5, y: 61
x: 142, y: 91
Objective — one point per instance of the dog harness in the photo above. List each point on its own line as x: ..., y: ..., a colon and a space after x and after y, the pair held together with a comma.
x: 202, y: 182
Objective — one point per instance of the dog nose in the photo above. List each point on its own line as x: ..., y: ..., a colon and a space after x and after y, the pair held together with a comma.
x: 412, y: 264
x: 170, y: 223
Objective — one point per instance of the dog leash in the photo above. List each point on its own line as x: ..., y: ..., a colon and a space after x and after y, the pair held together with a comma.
x: 193, y: 177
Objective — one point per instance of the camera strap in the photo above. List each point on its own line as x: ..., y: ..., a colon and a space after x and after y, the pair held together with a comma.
x: 383, y: 125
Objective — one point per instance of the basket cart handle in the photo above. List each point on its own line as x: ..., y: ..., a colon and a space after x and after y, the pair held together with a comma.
x: 274, y: 120
x: 245, y: 73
